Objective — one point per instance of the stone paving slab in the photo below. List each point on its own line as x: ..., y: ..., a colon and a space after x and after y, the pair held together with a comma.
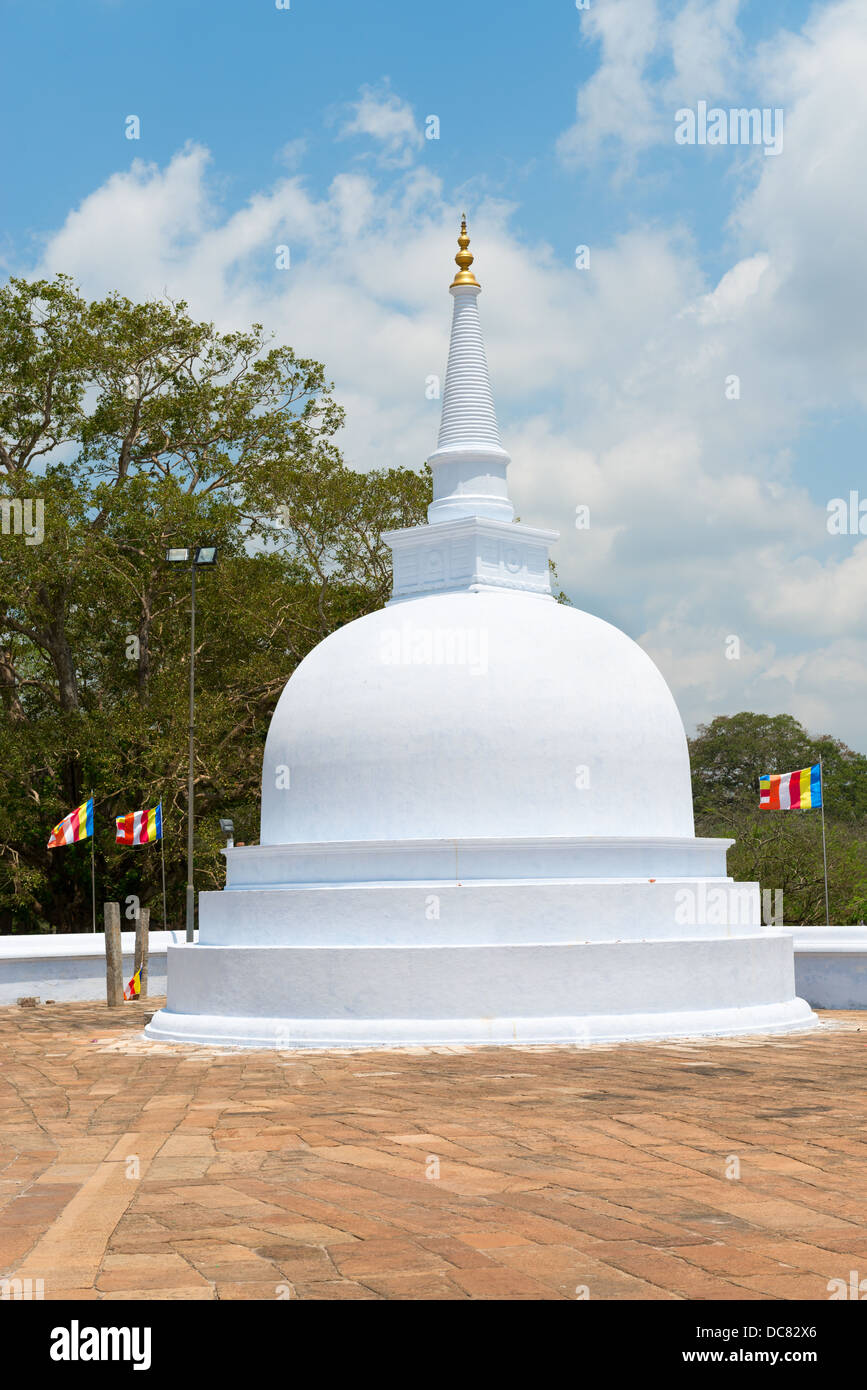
x: 721, y: 1169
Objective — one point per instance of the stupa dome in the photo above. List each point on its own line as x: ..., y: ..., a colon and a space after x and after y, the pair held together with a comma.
x: 456, y: 716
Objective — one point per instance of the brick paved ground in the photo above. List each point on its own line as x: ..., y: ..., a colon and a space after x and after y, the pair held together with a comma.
x: 134, y: 1170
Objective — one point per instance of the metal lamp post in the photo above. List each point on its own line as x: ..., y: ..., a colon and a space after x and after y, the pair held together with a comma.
x: 194, y: 557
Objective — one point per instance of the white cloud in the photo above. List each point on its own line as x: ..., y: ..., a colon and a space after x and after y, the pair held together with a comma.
x: 617, y: 103
x: 706, y: 50
x: 292, y: 153
x: 737, y: 286
x: 809, y: 213
x: 381, y: 115
x: 650, y: 65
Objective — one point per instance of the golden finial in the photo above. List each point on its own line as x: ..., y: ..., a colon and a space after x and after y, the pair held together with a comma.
x: 464, y: 258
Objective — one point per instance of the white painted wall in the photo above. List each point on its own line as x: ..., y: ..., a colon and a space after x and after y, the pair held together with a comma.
x: 830, y: 965
x: 71, y: 968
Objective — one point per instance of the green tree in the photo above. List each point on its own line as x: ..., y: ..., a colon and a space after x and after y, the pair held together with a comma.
x: 783, y: 849
x: 138, y: 428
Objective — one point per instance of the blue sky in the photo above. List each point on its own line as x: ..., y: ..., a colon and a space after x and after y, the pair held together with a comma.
x: 305, y: 126
x: 245, y: 79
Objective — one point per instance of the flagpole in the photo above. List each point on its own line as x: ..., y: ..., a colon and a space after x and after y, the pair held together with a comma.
x: 93, y: 866
x: 163, y: 857
x: 824, y: 848
x: 191, y: 785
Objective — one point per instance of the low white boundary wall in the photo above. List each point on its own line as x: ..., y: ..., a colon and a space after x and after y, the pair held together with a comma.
x: 830, y: 965
x: 72, y: 968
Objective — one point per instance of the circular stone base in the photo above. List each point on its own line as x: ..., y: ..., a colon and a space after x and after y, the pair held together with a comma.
x: 287, y: 1033
x: 404, y: 996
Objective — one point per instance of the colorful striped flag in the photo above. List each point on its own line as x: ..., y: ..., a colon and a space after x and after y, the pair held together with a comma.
x: 791, y: 791
x: 78, y: 825
x: 140, y: 827
x: 133, y: 989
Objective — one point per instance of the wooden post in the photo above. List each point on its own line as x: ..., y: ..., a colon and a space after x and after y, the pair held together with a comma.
x: 142, y: 928
x: 113, y: 955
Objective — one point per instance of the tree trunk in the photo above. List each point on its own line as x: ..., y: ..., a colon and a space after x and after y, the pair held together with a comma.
x: 9, y: 683
x: 144, y: 651
x: 58, y: 648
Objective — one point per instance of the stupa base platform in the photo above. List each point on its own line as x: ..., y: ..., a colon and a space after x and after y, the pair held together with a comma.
x: 279, y: 996
x: 285, y: 1034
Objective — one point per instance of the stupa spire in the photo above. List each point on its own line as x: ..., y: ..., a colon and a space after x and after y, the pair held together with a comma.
x: 469, y: 463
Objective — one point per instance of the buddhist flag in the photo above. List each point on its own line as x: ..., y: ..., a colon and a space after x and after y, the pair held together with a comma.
x: 140, y: 827
x: 791, y: 791
x: 133, y: 989
x: 78, y: 825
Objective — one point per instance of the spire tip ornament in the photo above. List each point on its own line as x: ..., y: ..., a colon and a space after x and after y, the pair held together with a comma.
x: 464, y: 259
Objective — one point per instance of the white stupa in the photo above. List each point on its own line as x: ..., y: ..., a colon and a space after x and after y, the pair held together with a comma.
x: 476, y: 813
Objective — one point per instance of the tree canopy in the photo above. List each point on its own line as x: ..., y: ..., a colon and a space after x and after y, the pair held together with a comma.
x: 138, y: 428
x: 783, y: 849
